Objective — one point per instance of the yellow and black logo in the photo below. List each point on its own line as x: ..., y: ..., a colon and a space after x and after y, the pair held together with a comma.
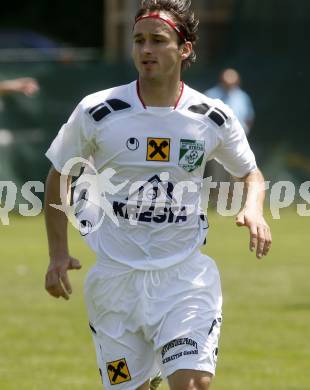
x: 118, y: 372
x: 158, y: 149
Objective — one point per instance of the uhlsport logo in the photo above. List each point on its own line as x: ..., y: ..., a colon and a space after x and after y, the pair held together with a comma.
x: 132, y: 144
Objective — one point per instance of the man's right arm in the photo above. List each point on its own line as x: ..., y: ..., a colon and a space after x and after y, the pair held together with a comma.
x: 56, y: 281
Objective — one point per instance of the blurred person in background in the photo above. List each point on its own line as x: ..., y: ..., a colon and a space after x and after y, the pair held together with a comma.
x: 25, y: 85
x: 154, y: 300
x: 229, y: 91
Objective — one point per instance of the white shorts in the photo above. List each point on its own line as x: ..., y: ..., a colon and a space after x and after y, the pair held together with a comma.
x: 144, y: 322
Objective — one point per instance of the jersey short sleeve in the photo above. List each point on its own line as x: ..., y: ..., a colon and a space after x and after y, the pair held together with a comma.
x: 74, y: 139
x: 234, y: 152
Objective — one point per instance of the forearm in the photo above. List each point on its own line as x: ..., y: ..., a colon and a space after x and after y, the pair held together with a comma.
x: 56, y: 220
x: 26, y: 85
x: 252, y: 214
x: 255, y: 190
x: 56, y: 279
x: 5, y: 87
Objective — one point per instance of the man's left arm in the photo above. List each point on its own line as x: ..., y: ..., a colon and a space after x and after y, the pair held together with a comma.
x: 251, y: 215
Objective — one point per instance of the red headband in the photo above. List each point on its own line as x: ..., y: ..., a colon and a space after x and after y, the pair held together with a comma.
x: 171, y: 23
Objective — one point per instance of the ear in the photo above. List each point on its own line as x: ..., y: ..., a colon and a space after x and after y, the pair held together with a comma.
x: 186, y: 50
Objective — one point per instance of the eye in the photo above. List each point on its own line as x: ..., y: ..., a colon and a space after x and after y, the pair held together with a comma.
x: 158, y: 40
x: 138, y: 40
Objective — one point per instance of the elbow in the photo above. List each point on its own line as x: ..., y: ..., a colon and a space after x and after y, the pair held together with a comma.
x: 254, y: 175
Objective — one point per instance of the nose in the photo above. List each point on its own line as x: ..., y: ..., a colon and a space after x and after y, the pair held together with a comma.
x: 146, y: 47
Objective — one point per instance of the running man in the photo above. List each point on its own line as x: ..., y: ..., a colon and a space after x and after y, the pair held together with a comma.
x: 154, y: 301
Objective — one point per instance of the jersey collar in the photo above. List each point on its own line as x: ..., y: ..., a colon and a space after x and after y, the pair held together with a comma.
x: 143, y: 104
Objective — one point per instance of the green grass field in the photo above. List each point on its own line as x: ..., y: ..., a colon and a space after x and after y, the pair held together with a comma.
x: 46, y: 344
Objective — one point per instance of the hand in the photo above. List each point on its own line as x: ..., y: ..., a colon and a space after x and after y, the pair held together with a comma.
x: 260, y: 235
x: 27, y: 85
x: 56, y: 279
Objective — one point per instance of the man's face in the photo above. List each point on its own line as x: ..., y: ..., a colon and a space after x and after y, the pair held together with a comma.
x: 230, y: 79
x: 156, y: 51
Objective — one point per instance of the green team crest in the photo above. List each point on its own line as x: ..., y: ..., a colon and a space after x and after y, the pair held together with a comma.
x: 191, y: 154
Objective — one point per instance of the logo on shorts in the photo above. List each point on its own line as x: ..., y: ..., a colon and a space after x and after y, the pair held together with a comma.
x: 188, y: 347
x: 158, y: 149
x: 118, y: 372
x: 191, y: 154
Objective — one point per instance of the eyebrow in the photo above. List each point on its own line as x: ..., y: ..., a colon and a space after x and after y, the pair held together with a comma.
x: 153, y: 34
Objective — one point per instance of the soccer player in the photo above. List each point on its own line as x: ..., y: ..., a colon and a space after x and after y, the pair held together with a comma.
x: 154, y: 301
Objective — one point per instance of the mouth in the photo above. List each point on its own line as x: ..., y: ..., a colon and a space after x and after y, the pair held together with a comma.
x: 149, y: 62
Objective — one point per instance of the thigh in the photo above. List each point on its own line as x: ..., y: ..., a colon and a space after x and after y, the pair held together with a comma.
x: 190, y: 380
x: 189, y: 333
x: 196, y: 350
x: 125, y: 358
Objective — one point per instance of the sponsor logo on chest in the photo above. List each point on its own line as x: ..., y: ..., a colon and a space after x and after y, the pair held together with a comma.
x: 158, y: 149
x: 191, y: 152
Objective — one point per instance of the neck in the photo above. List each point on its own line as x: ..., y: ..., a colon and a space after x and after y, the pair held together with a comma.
x: 160, y: 94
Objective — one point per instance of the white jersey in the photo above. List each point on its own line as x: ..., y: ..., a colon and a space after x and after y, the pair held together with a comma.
x: 164, y: 150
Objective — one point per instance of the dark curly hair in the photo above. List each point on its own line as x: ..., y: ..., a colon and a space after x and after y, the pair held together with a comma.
x: 183, y: 17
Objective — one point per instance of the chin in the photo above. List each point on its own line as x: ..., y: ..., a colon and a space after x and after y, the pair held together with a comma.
x: 148, y: 76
